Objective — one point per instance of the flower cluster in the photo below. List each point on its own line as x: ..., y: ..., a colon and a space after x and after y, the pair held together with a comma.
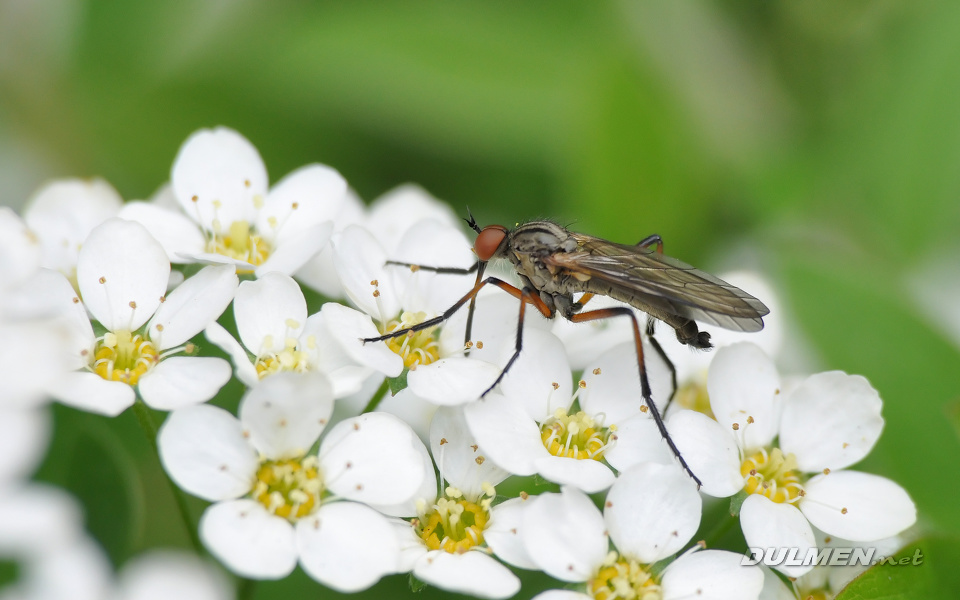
x: 354, y: 459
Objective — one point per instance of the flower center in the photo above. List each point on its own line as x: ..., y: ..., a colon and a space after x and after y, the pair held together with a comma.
x: 417, y: 347
x: 623, y: 579
x: 289, y: 488
x: 575, y: 436
x: 454, y: 523
x: 123, y: 356
x: 291, y: 358
x: 692, y: 395
x: 773, y: 475
x: 240, y: 242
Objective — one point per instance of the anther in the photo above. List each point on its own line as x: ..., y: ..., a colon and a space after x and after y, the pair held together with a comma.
x: 479, y: 460
x: 555, y: 385
x: 596, y: 371
x: 133, y: 304
x: 479, y: 345
x: 102, y: 280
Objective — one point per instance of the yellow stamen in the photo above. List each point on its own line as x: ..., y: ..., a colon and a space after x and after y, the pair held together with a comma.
x: 577, y: 436
x: 123, y: 356
x: 289, y: 488
x: 772, y: 475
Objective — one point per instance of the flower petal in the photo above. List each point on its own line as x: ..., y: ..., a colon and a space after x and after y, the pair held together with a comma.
x: 652, y: 511
x: 510, y: 438
x: 503, y: 533
x: 459, y: 458
x: 710, y: 451
x: 92, y: 393
x: 204, y: 450
x: 360, y: 261
x: 540, y: 378
x: 452, y: 381
x: 565, y: 534
x: 372, y: 458
x: 285, y: 413
x: 183, y: 380
x: 268, y: 312
x: 293, y: 251
x: 24, y: 436
x: 588, y: 475
x: 711, y: 575
x: 248, y: 540
x: 20, y: 248
x: 347, y: 546
x: 122, y: 289
x: 217, y: 177
x: 62, y: 213
x: 196, y: 303
x: 857, y: 506
x: 743, y: 382
x: 472, y: 573
x: 175, y: 231
x: 349, y: 328
x: 245, y: 370
x: 613, y: 383
x: 424, y: 243
x: 638, y: 440
x: 832, y: 420
x: 561, y: 595
x: 165, y: 574
x: 396, y: 211
x: 308, y: 196
x: 768, y: 524
x: 427, y: 494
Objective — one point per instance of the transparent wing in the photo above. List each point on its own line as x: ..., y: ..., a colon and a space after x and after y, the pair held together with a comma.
x: 659, y: 281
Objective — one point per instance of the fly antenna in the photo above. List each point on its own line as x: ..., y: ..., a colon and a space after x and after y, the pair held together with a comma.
x: 472, y: 222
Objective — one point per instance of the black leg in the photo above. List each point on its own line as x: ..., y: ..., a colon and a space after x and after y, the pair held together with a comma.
x: 673, y: 369
x: 605, y: 313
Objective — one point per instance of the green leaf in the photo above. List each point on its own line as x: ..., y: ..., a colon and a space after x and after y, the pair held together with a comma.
x: 920, y: 571
x: 736, y: 501
x: 861, y: 323
x: 100, y: 473
x: 398, y: 383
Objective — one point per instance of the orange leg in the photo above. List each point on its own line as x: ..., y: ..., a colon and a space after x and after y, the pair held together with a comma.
x: 605, y: 313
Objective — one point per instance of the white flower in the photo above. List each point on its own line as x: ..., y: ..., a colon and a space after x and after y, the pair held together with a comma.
x: 650, y: 513
x: 272, y: 321
x: 826, y: 424
x: 529, y: 427
x: 41, y: 531
x: 62, y: 214
x: 30, y: 327
x: 320, y: 272
x: 166, y: 574
x: 448, y: 543
x: 275, y: 503
x: 220, y: 182
x: 397, y: 297
x: 122, y: 274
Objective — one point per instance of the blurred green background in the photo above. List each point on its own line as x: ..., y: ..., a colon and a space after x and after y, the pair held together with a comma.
x: 816, y: 141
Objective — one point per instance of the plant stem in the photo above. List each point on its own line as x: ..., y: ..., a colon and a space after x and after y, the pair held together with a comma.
x: 149, y: 427
x: 377, y: 397
x: 719, y: 530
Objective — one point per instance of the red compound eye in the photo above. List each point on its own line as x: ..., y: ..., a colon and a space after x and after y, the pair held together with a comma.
x: 488, y: 241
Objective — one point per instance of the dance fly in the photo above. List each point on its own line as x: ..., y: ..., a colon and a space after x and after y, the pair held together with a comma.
x: 554, y: 263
